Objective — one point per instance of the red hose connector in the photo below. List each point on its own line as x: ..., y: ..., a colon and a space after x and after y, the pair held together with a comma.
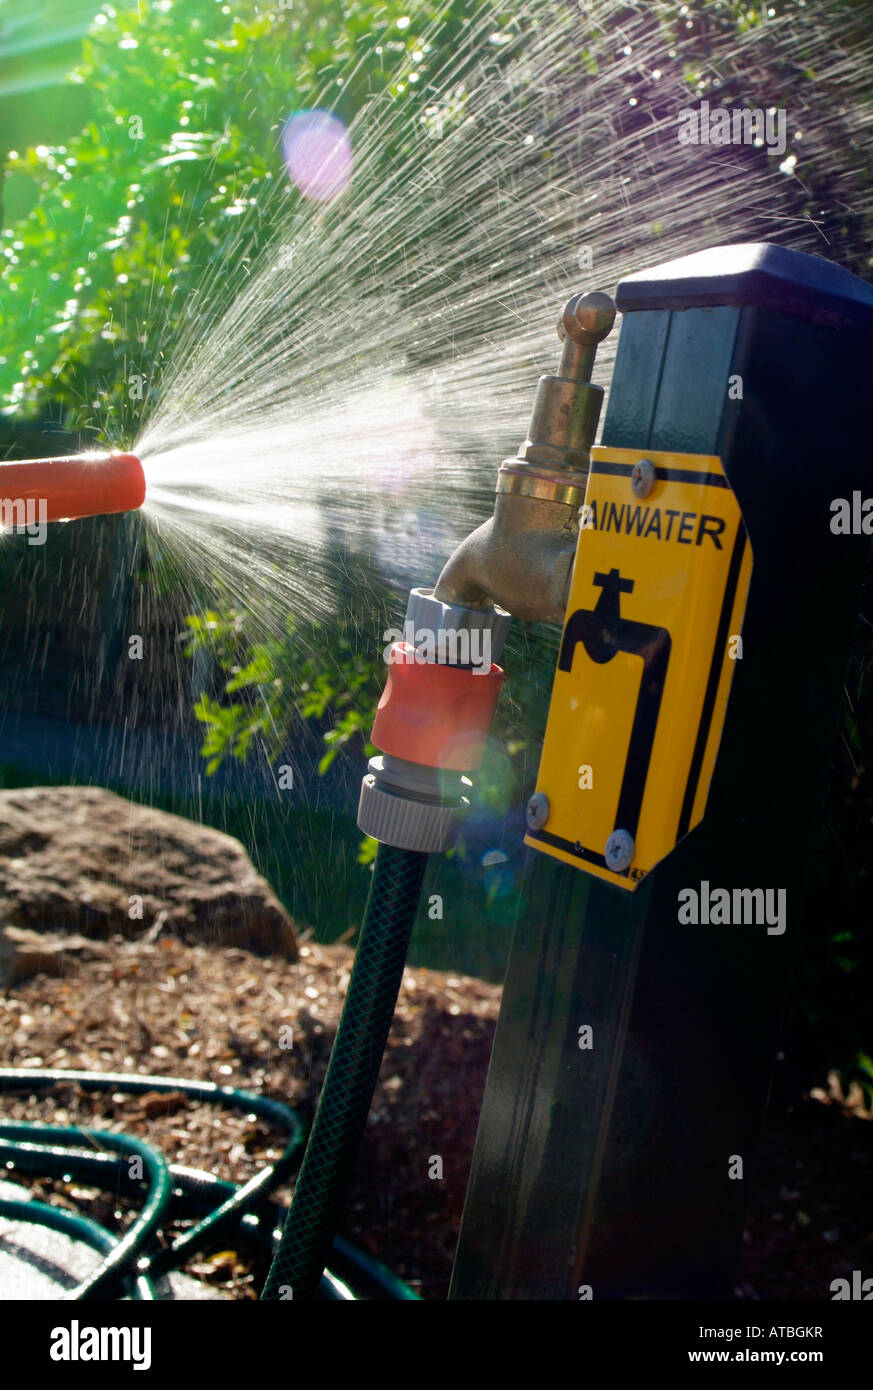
x: 435, y: 715
x: 432, y: 723
x: 69, y: 488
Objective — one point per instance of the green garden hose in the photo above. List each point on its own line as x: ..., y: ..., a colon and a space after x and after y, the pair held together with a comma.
x: 351, y: 1077
x: 16, y: 1147
x: 102, y: 1158
x: 74, y: 1227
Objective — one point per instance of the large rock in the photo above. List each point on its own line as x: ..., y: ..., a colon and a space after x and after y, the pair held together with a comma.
x: 85, y: 860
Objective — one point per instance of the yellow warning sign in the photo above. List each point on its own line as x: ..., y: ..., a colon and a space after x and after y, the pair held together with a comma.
x: 650, y: 641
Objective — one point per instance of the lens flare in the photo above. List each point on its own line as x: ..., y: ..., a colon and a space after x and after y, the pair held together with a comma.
x: 318, y: 154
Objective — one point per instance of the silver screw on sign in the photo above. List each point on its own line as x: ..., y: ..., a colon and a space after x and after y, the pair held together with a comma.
x: 619, y: 851
x: 643, y: 478
x: 537, y: 811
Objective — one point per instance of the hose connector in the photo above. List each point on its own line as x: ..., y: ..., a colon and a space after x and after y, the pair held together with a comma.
x: 432, y: 723
x: 67, y: 489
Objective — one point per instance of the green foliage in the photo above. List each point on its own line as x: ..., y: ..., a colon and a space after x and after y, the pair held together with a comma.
x: 312, y: 672
x: 169, y: 179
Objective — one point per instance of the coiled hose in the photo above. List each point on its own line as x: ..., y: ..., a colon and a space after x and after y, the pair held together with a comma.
x: 132, y: 1262
x: 351, y: 1077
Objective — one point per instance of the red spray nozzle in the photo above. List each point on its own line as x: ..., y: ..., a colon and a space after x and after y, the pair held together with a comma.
x: 85, y: 485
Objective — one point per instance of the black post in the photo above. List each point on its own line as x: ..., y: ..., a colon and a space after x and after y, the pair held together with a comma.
x: 619, y: 1169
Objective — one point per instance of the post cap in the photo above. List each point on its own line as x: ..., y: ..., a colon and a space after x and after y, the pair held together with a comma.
x: 758, y: 274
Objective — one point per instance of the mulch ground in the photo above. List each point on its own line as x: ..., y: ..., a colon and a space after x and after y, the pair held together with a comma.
x: 206, y: 1013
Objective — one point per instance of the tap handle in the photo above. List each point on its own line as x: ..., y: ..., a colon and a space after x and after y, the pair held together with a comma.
x: 585, y: 321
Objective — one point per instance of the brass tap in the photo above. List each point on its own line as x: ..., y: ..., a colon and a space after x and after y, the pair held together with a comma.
x: 521, y: 558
